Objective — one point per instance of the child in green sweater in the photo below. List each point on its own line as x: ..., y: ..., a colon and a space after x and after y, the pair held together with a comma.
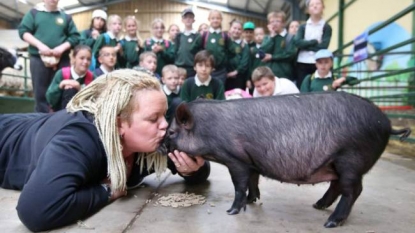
x: 203, y: 84
x: 132, y: 43
x: 170, y: 79
x: 69, y: 80
x: 51, y: 34
x: 164, y: 49
x: 110, y: 38
x: 323, y: 79
x: 97, y: 27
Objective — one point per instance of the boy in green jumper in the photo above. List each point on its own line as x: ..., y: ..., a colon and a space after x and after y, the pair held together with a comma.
x: 184, y: 57
x: 170, y: 78
x: 110, y: 38
x: 217, y: 43
x: 202, y: 84
x: 323, y: 79
x: 51, y: 34
x: 279, y: 52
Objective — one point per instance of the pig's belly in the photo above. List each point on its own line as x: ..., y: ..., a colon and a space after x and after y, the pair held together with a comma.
x: 324, y: 174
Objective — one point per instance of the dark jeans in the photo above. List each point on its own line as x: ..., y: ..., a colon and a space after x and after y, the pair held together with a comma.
x: 41, y: 79
x: 304, y: 69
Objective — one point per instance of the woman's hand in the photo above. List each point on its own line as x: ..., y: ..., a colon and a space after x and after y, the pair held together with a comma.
x: 186, y: 165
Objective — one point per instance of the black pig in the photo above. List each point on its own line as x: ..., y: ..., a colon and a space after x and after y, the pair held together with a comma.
x: 8, y: 58
x: 301, y: 139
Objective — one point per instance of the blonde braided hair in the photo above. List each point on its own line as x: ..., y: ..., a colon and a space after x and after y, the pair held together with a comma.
x: 111, y: 96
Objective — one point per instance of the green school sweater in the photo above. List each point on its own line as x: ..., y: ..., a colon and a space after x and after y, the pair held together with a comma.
x: 183, y: 53
x: 99, y: 43
x: 283, y: 55
x: 240, y: 61
x: 312, y: 45
x: 132, y: 52
x: 311, y: 84
x: 218, y: 45
x: 190, y: 91
x: 51, y: 28
x: 254, y: 60
x: 170, y: 112
x: 54, y: 93
x: 164, y: 57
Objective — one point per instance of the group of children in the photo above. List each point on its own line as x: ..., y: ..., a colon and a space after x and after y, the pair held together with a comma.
x: 191, y: 63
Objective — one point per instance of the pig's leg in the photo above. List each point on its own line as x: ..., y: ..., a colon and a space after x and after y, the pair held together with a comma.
x: 253, y: 189
x: 350, y: 190
x: 329, y: 197
x: 240, y: 177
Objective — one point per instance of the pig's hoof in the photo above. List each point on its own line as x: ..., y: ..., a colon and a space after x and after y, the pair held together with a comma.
x: 233, y: 211
x: 319, y: 206
x: 333, y: 224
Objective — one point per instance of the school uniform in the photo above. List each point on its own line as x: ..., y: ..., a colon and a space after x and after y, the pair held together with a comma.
x: 218, y: 44
x: 193, y: 88
x: 131, y: 51
x: 184, y: 57
x: 283, y: 52
x: 54, y: 95
x: 255, y: 60
x: 306, y: 40
x: 240, y: 63
x: 100, y: 71
x: 164, y: 57
x: 101, y: 42
x: 315, y: 82
x: 53, y: 29
x: 173, y: 99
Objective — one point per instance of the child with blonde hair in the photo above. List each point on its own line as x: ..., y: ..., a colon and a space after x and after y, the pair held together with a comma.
x: 164, y: 49
x: 131, y: 43
x: 217, y: 43
x: 170, y: 79
x: 110, y: 38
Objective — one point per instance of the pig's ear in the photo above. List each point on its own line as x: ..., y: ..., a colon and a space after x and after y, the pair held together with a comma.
x: 184, y: 116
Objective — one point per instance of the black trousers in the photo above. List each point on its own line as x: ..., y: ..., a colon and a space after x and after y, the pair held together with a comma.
x: 41, y: 79
x: 302, y: 70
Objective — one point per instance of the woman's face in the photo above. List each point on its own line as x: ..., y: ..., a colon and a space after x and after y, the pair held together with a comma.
x: 147, y: 125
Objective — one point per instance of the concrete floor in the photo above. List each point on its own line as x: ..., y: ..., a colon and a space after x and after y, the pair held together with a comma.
x: 387, y: 204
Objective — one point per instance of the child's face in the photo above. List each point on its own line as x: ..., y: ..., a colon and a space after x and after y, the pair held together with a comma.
x: 215, y: 20
x: 265, y: 86
x: 277, y: 24
x: 82, y: 60
x: 173, y: 32
x: 131, y: 27
x: 203, y: 28
x: 249, y: 35
x: 171, y: 80
x: 98, y: 23
x: 150, y: 63
x: 236, y: 30
x: 52, y: 4
x: 115, y: 26
x: 158, y: 30
x: 182, y: 78
x: 188, y: 20
x: 108, y: 57
x: 203, y: 70
x: 315, y: 7
x: 259, y: 35
x: 324, y: 65
x: 294, y: 25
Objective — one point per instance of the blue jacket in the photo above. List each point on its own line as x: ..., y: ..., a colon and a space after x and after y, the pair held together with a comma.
x: 59, y: 162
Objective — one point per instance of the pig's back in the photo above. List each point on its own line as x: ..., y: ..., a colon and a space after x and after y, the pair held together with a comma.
x: 301, y: 131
